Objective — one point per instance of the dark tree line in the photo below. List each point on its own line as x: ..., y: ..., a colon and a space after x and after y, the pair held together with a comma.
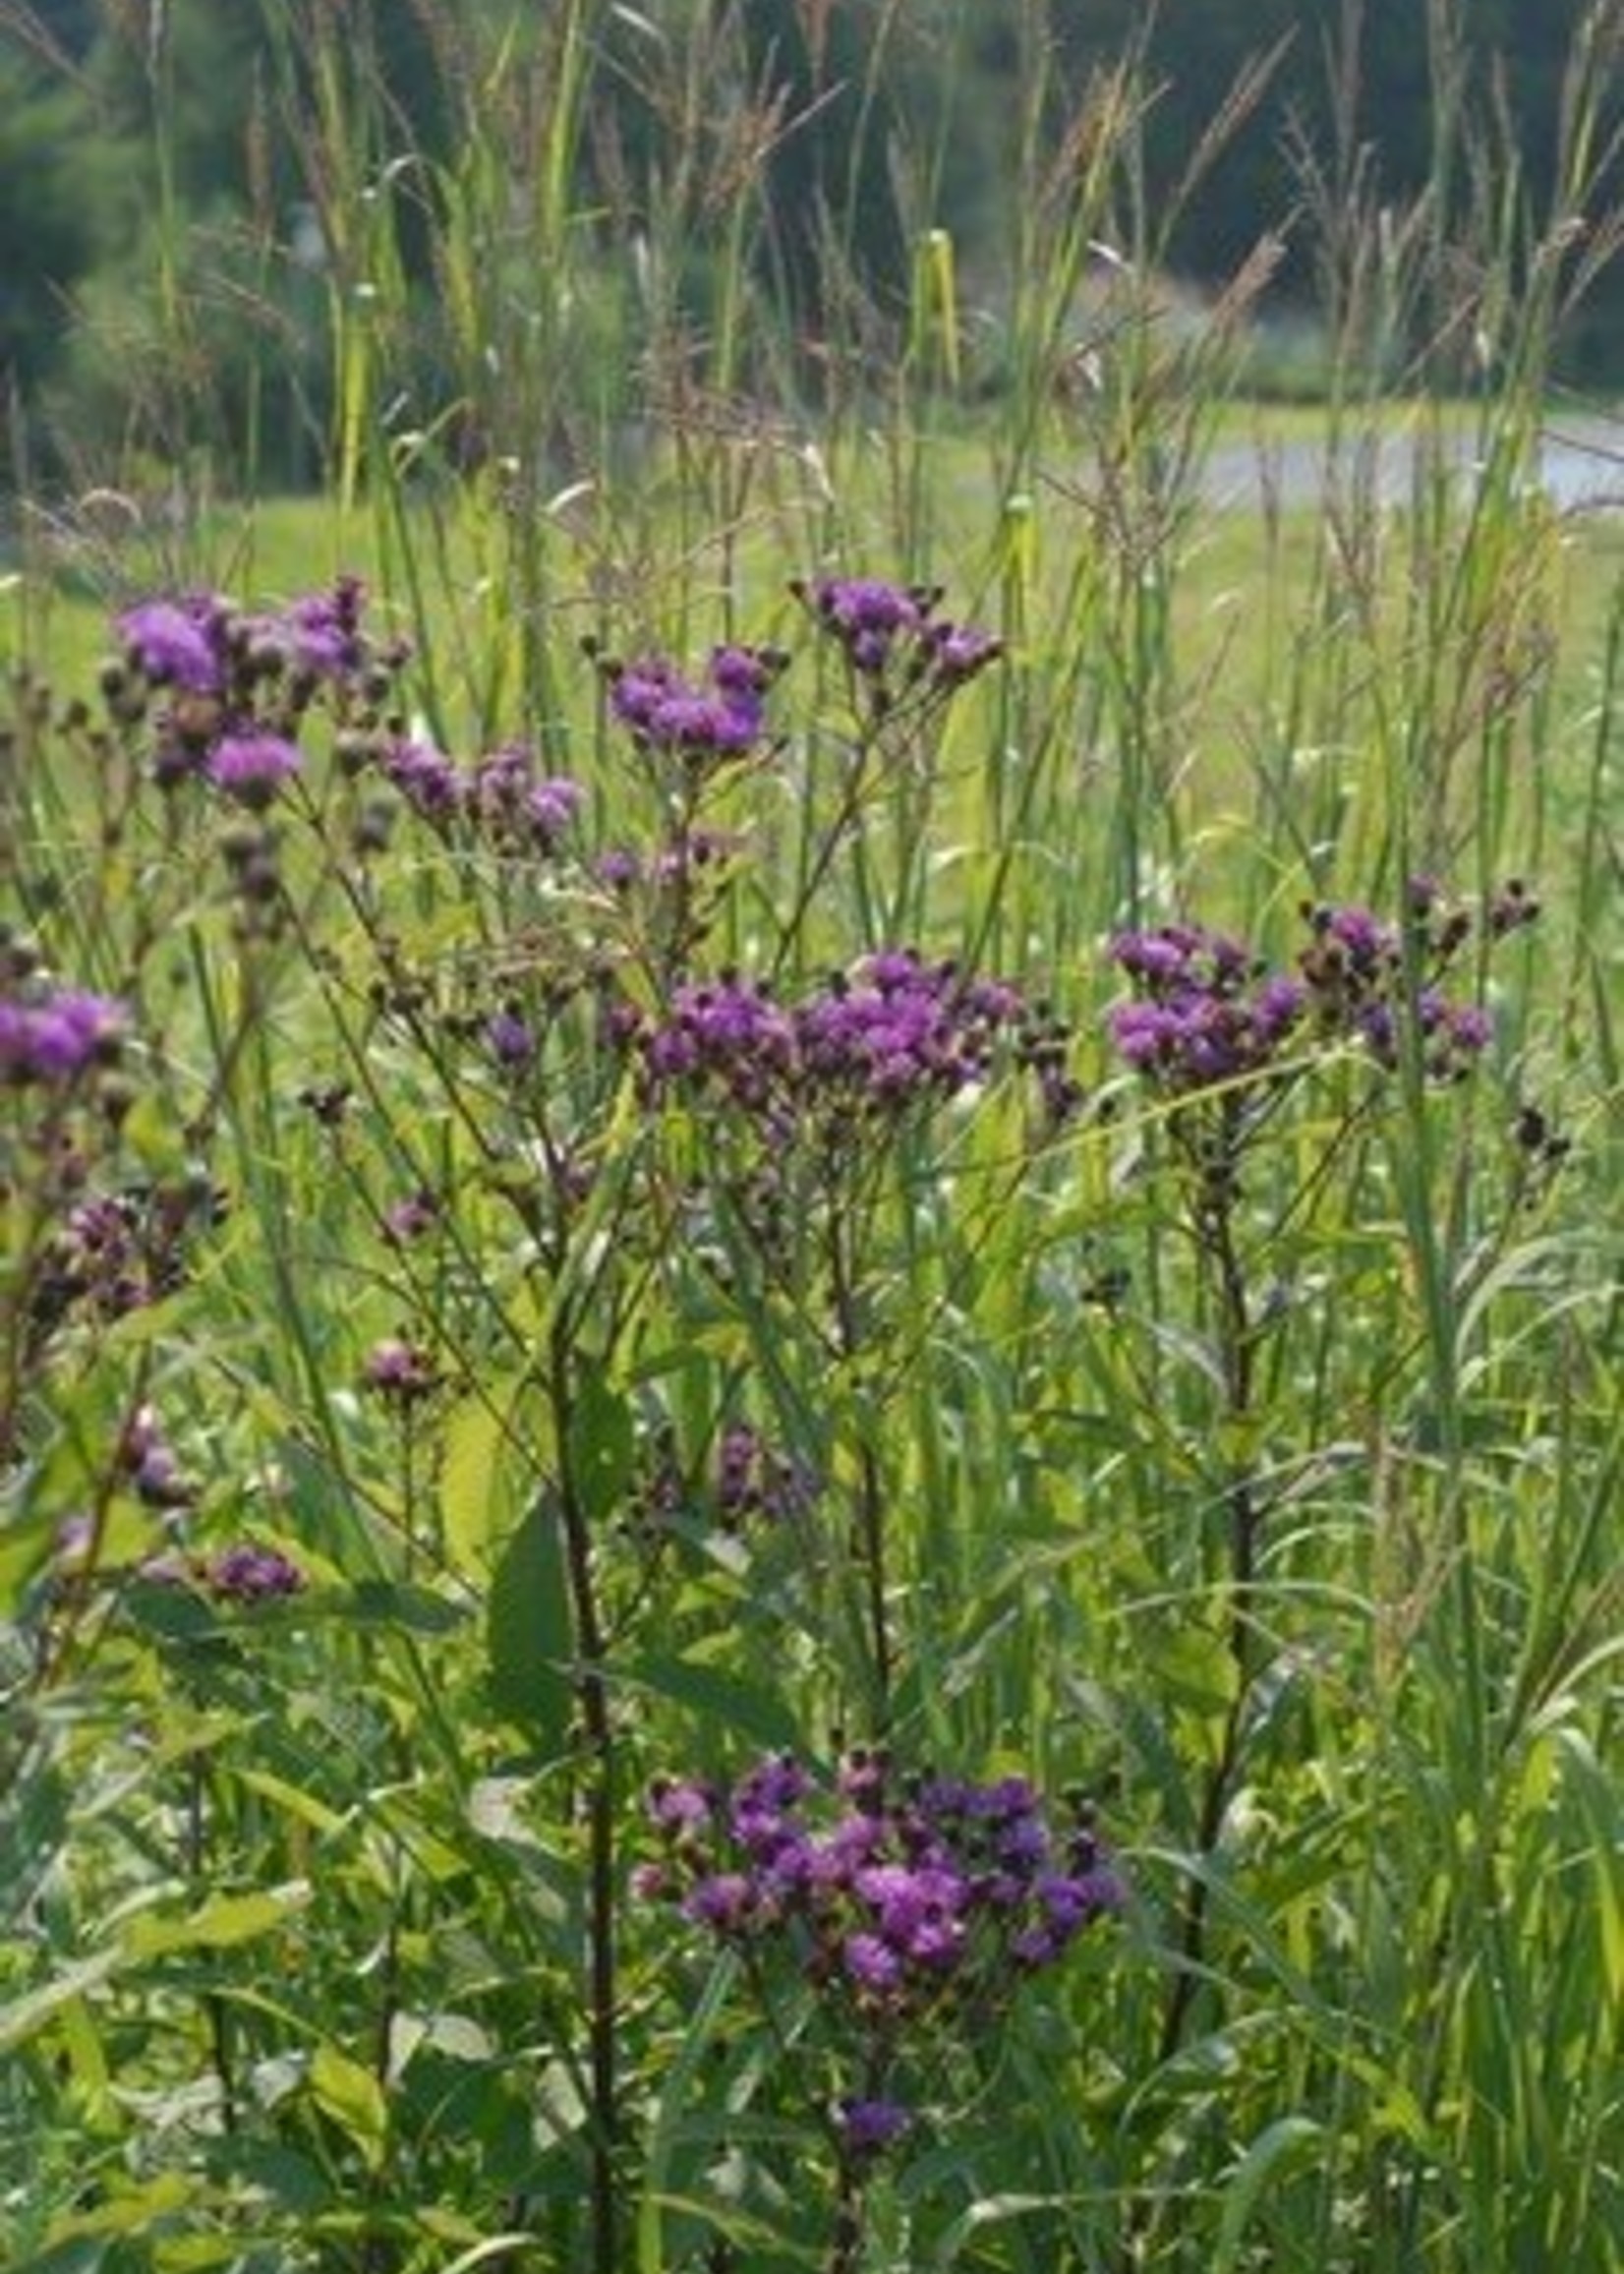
x: 90, y: 89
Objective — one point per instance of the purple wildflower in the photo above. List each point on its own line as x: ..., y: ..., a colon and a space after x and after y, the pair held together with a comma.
x: 58, y: 1036
x: 178, y: 643
x: 252, y: 766
x: 680, y: 1805
x: 884, y: 1892
x: 868, y: 616
x: 725, y: 1902
x: 523, y: 812
x: 741, y: 675
x: 666, y: 712
x: 510, y: 1040
x: 410, y: 1218
x: 896, y: 1033
x: 872, y: 1962
x: 958, y: 652
x: 431, y: 784
x: 867, y: 2127
x: 729, y: 1030
x: 890, y: 637
x: 250, y: 1574
x: 1205, y: 1013
x: 323, y: 630
x: 620, y: 868
x: 401, y: 1372
x: 550, y: 806
x: 1469, y: 1026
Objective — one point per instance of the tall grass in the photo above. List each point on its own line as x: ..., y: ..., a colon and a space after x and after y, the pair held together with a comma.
x: 1242, y: 1457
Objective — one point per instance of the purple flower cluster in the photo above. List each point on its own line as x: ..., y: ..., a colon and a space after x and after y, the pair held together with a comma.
x: 53, y: 1036
x: 502, y: 800
x: 252, y: 766
x: 892, y: 636
x: 517, y: 807
x: 248, y: 1573
x: 401, y: 1373
x: 244, y: 1573
x: 1205, y: 1010
x: 897, y: 1033
x: 182, y: 643
x: 725, y: 1031
x: 320, y: 632
x: 510, y: 1040
x: 703, y: 725
x: 201, y: 644
x: 236, y: 686
x: 867, y: 2127
x: 754, y: 1479
x: 97, y: 1256
x: 1354, y: 969
x: 115, y: 1252
x: 888, y: 1895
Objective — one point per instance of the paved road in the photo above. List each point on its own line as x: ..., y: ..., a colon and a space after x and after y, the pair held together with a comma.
x: 1581, y: 465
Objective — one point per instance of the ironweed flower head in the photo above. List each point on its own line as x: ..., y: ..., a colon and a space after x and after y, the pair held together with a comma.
x: 518, y: 808
x: 900, y: 1030
x: 502, y: 800
x: 727, y: 1033
x: 510, y: 1040
x: 1357, y: 973
x: 1205, y: 1011
x: 752, y: 1479
x: 178, y: 643
x: 892, y: 637
x: 895, y: 1034
x: 252, y: 766
x: 703, y: 725
x: 401, y: 1373
x: 237, y: 686
x: 886, y: 1894
x: 53, y: 1036
x: 431, y: 784
x: 202, y: 644
x: 114, y: 1252
x: 250, y: 1574
x: 867, y: 2127
x: 869, y: 618
x: 323, y: 632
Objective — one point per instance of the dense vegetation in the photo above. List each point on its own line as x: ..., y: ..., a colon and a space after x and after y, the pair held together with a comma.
x: 165, y: 190
x: 811, y: 1346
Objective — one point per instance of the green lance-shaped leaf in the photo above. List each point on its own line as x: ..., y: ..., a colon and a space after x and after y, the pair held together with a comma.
x: 528, y: 1633
x: 603, y: 1447
x: 1281, y: 2149
x: 353, y: 2098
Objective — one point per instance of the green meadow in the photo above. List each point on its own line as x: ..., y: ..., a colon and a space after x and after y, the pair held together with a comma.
x: 811, y: 1322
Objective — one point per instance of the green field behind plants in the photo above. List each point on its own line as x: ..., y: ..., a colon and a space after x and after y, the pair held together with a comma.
x: 811, y: 1321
